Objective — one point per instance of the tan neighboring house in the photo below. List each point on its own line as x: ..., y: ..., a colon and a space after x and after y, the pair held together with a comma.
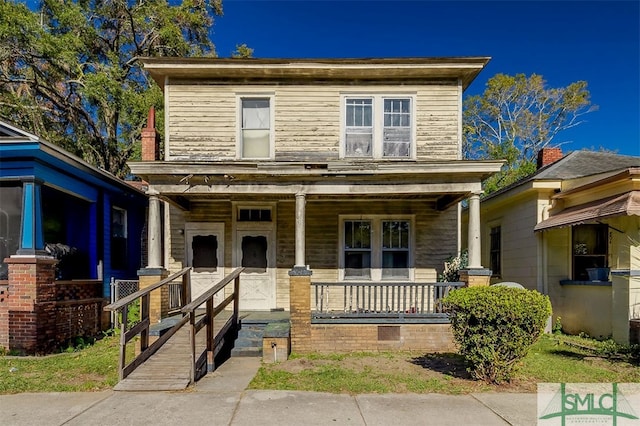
x: 313, y: 174
x: 572, y: 231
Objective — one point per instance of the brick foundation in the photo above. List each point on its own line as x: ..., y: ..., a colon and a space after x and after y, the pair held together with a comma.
x: 300, y: 309
x: 370, y: 337
x: 38, y: 314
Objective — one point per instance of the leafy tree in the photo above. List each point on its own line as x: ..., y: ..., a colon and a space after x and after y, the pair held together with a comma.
x: 70, y: 73
x: 242, y: 51
x: 516, y: 117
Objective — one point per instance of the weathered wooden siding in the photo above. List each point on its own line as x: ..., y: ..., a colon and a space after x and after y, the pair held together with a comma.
x: 202, y: 120
x: 435, y: 240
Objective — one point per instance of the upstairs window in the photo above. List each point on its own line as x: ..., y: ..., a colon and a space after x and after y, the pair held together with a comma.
x: 378, y: 127
x: 359, y: 128
x: 256, y: 128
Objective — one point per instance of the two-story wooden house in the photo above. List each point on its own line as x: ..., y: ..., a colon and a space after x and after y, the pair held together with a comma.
x: 349, y: 169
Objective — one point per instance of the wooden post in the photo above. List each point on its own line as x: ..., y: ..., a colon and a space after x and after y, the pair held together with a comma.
x: 145, y: 304
x: 192, y: 341
x: 210, y: 336
x: 123, y: 342
x: 236, y: 300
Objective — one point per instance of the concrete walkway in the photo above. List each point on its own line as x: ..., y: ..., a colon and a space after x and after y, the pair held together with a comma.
x: 221, y: 398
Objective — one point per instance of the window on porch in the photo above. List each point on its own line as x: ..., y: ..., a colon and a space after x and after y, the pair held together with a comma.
x: 376, y: 248
x: 495, y: 252
x: 118, y: 238
x: 590, y: 244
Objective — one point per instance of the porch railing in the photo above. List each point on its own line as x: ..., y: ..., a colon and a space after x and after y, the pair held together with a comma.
x: 129, y: 331
x: 381, y: 302
x: 123, y: 288
x: 214, y: 338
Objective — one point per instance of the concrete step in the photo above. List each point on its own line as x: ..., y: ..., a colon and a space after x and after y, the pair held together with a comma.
x: 246, y: 352
x: 249, y: 341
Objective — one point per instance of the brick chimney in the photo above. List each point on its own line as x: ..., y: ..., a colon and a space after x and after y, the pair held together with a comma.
x: 150, y: 138
x: 547, y: 156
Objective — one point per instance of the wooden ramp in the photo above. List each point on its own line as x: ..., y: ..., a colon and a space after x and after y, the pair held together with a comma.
x: 169, y: 369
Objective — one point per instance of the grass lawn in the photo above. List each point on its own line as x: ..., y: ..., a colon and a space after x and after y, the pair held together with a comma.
x: 94, y: 368
x: 397, y: 372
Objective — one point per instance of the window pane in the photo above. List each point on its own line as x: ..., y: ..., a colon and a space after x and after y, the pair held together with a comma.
x: 395, y: 234
x: 255, y: 114
x: 255, y: 143
x: 357, y: 234
x: 494, y: 250
x: 395, y: 264
x: 358, y: 144
x: 254, y: 254
x: 205, y: 249
x: 357, y: 264
x: 10, y: 219
x: 359, y: 112
x: 118, y: 238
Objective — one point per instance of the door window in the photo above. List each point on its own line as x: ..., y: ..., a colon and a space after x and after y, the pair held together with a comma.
x: 254, y: 254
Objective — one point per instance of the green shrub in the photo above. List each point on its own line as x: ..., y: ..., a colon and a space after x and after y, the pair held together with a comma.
x: 495, y: 326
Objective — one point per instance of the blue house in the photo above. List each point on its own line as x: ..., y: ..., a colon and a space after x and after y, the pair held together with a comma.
x: 54, y: 203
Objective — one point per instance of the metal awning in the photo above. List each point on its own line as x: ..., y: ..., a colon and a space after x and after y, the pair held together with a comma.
x: 626, y: 204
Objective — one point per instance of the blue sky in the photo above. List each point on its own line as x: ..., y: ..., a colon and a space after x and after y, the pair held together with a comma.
x: 564, y: 41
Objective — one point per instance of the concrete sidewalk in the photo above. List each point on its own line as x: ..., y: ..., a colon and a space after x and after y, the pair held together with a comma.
x: 221, y: 398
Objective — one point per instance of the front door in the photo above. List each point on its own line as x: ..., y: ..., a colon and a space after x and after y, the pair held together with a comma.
x: 205, y: 253
x: 255, y: 251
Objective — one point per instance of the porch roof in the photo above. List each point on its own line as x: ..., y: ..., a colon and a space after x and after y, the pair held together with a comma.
x: 626, y: 204
x: 445, y: 181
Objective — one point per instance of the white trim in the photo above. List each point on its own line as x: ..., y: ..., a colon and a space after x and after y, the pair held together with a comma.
x: 376, y: 246
x: 255, y: 95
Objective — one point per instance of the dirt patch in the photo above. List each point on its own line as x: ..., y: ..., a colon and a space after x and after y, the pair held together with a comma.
x: 448, y: 369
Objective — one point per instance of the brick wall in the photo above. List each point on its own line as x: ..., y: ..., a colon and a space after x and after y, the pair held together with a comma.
x: 375, y: 337
x: 37, y: 315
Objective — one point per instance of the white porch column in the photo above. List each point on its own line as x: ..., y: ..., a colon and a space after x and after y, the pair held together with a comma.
x: 300, y: 230
x: 154, y: 232
x: 474, y: 231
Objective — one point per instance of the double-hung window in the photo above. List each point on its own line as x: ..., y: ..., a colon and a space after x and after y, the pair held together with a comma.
x: 378, y: 127
x: 255, y: 131
x: 376, y: 248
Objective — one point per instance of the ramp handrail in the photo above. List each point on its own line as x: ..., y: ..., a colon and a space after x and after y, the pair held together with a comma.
x: 214, y: 342
x: 142, y: 328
